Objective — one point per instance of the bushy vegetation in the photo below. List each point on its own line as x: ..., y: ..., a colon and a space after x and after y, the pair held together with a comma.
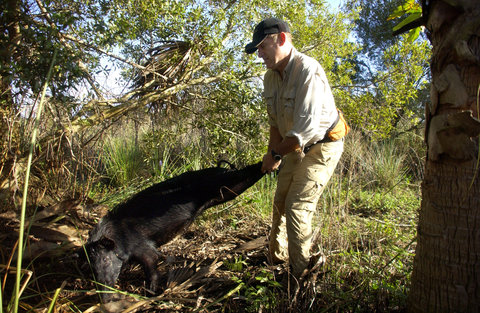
x: 189, y: 98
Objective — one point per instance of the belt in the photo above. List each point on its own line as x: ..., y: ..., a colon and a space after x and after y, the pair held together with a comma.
x: 325, y: 138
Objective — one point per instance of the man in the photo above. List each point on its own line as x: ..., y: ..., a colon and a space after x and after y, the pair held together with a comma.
x: 301, y: 110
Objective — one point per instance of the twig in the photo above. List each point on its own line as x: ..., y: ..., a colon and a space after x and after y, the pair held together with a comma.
x: 8, y: 265
x: 28, y: 274
x: 225, y: 296
x: 396, y: 225
x: 397, y: 255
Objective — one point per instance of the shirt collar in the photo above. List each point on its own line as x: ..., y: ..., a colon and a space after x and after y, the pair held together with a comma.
x: 289, y: 67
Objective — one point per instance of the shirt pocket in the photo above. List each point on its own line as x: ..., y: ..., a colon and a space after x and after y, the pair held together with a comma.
x: 288, y: 106
x: 271, y: 108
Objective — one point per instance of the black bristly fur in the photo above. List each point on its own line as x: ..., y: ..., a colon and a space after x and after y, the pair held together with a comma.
x: 134, y: 229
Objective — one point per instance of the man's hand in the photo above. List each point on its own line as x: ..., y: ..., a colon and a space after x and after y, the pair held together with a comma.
x: 269, y: 164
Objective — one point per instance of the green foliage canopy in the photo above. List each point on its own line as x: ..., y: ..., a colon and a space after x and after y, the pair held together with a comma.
x: 183, y: 62
x: 392, y: 80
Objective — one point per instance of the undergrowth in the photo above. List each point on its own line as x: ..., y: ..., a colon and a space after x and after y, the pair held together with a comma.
x: 367, y: 229
x: 365, y: 223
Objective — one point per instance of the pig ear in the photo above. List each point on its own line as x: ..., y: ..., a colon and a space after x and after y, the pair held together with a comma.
x: 107, y: 243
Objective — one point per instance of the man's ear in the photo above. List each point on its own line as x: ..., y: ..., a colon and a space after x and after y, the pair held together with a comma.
x: 282, y: 38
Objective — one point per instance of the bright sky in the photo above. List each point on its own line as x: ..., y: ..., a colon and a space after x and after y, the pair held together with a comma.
x: 334, y: 3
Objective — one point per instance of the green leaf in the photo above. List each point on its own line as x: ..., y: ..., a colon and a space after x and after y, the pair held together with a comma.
x: 409, y: 7
x: 407, y: 20
x: 413, y: 34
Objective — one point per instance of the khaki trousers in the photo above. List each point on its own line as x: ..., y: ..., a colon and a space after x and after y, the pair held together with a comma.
x: 301, y: 181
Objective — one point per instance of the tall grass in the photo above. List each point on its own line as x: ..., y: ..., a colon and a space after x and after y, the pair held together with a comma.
x: 159, y: 155
x: 386, y: 165
x: 14, y: 305
x: 123, y: 160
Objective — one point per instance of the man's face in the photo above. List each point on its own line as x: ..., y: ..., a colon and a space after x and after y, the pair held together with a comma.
x: 269, y: 51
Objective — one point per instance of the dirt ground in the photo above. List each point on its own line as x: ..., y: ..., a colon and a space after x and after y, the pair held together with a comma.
x: 211, y: 267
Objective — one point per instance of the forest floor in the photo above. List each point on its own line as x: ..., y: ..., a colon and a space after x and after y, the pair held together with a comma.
x: 208, y: 268
x: 214, y: 266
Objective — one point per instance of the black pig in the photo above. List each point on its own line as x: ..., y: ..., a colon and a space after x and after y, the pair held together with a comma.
x: 134, y: 229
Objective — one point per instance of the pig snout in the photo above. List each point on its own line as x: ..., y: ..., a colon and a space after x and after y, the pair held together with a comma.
x: 105, y: 262
x: 113, y: 244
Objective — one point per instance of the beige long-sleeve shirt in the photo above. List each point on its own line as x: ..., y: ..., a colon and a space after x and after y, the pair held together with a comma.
x: 301, y: 104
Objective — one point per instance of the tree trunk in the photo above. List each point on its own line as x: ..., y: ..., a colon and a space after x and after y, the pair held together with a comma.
x: 9, y: 41
x: 10, y: 28
x: 446, y: 270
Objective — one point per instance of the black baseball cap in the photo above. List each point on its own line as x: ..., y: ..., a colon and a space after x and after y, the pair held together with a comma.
x: 266, y: 27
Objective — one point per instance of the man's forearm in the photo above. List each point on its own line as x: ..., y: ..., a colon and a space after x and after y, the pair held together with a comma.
x: 281, y: 145
x: 287, y: 145
x: 275, y: 138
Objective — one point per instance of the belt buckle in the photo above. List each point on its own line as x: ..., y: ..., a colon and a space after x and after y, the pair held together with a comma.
x: 307, y: 148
